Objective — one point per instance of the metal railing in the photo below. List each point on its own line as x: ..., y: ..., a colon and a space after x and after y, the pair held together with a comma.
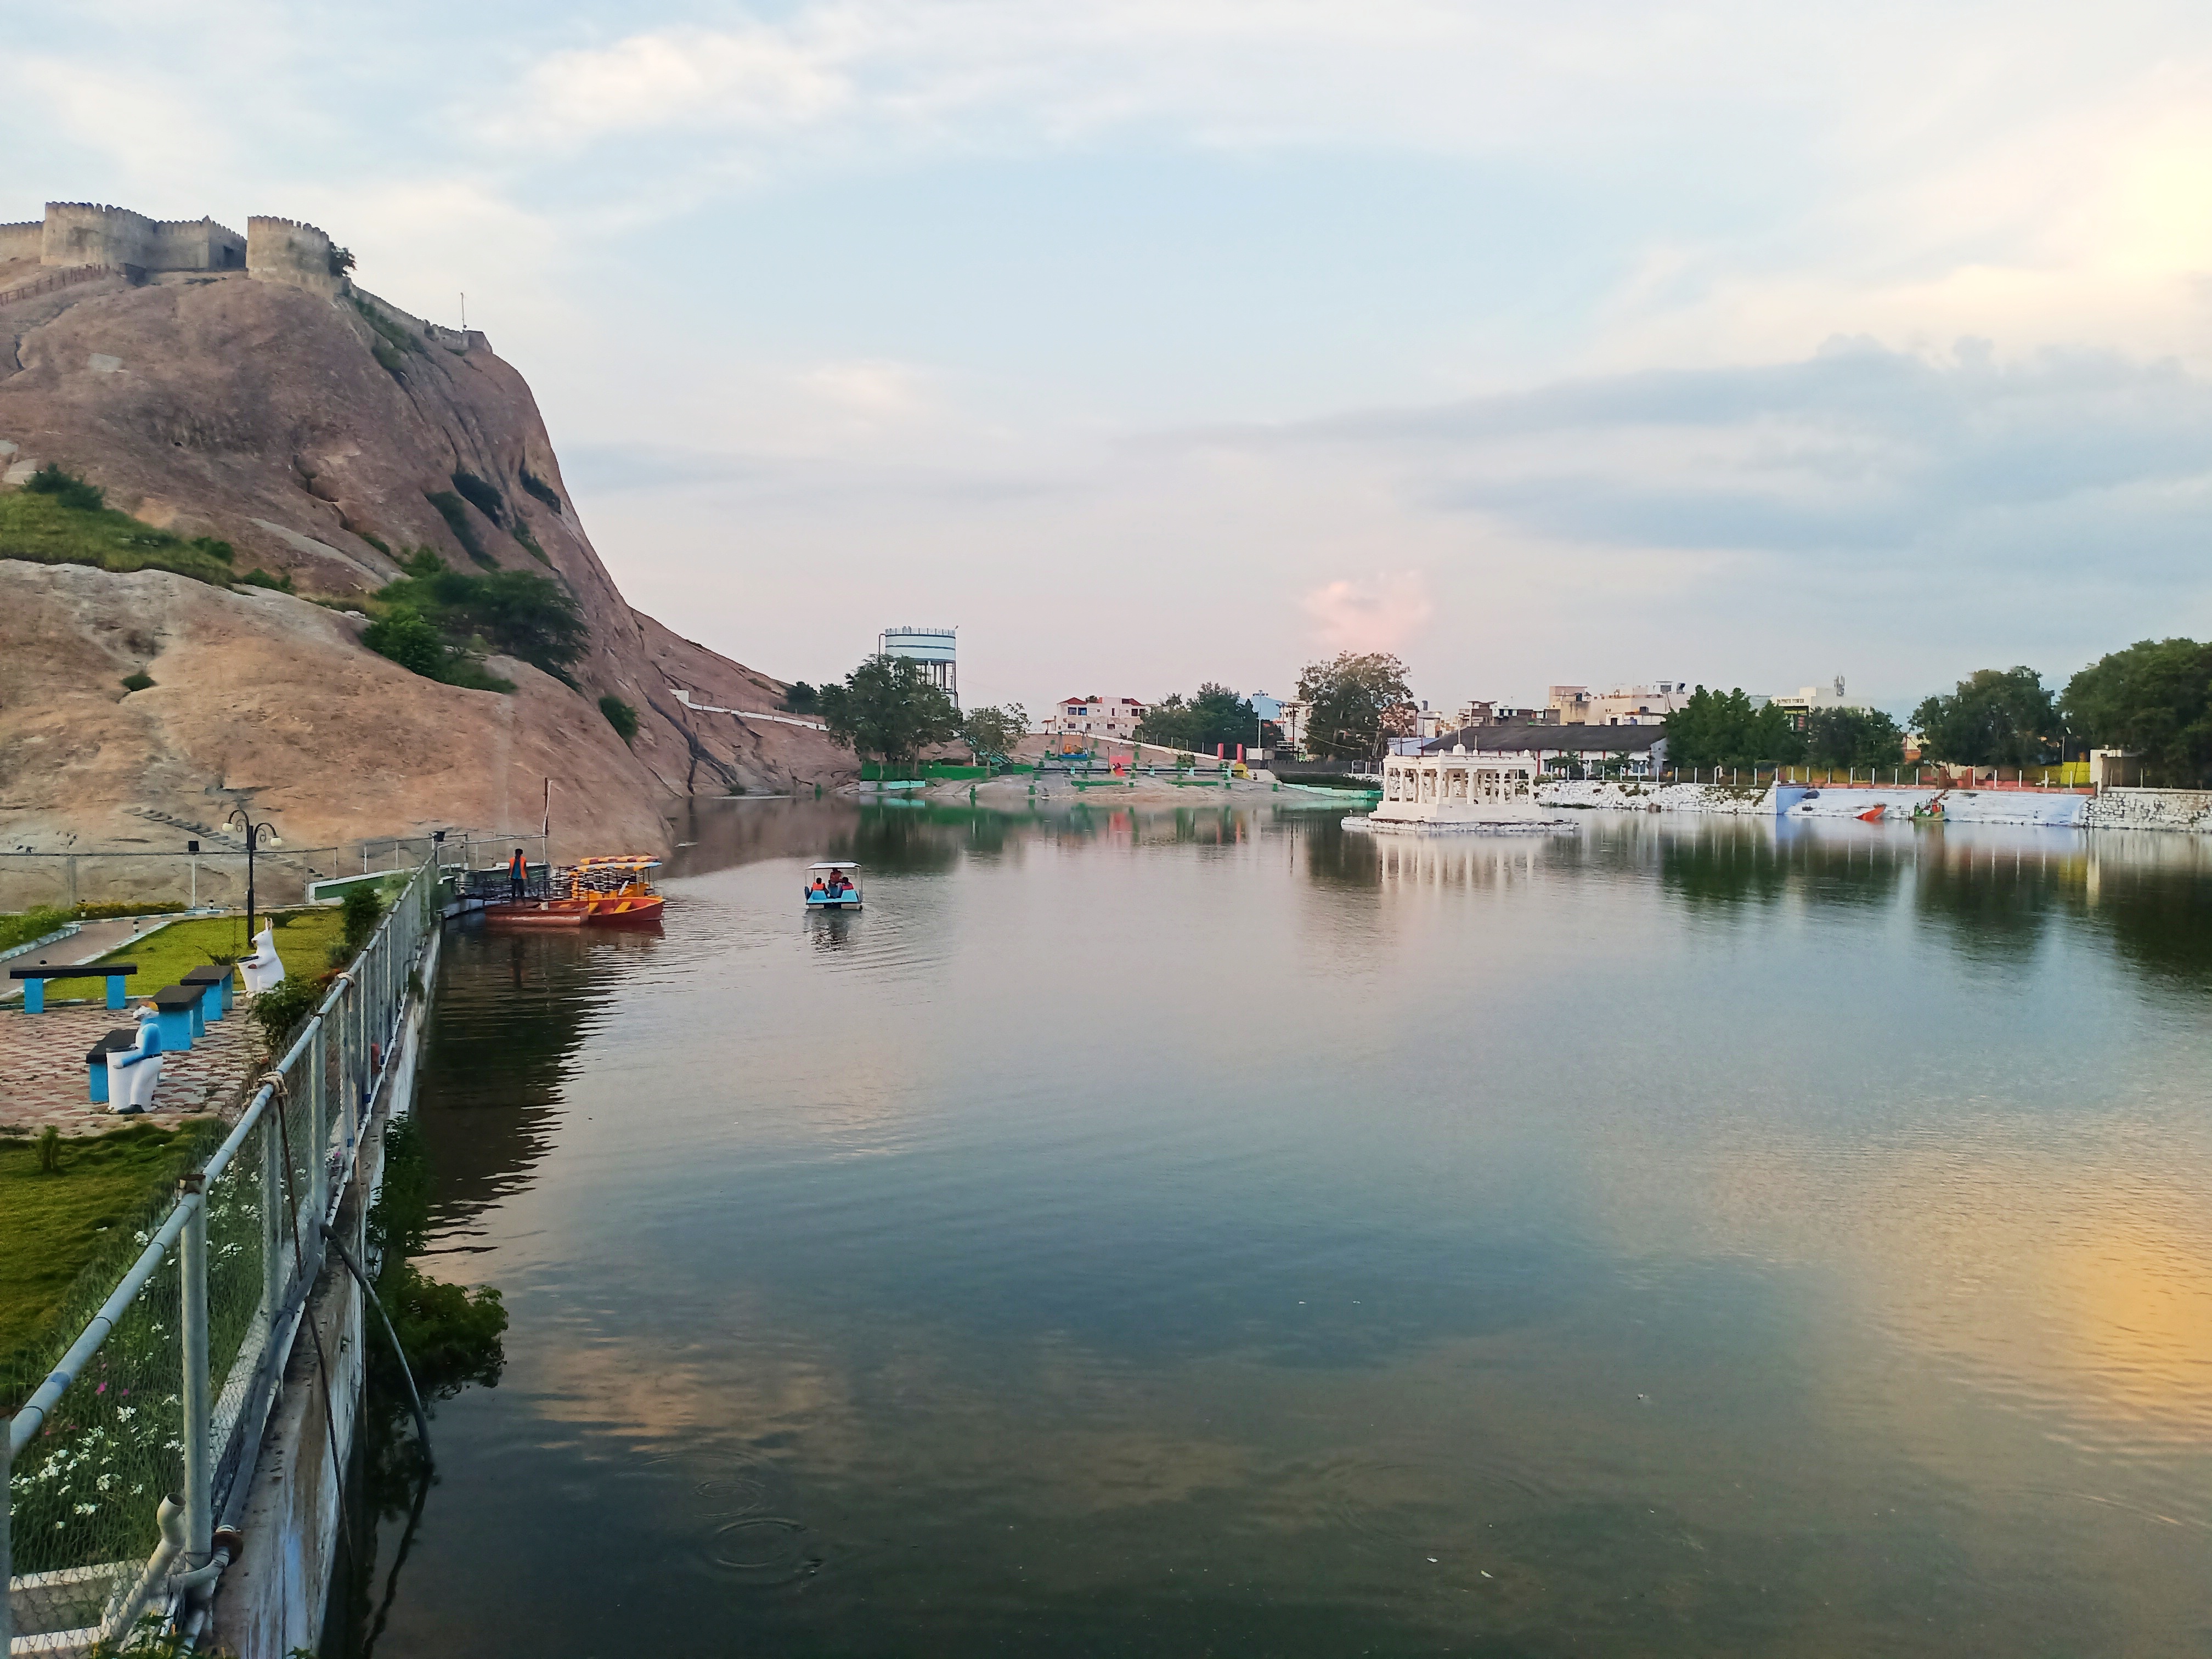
x: 118, y: 1468
x: 215, y: 877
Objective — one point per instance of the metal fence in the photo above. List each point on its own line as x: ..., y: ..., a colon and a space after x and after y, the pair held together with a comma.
x: 119, y: 1468
x: 216, y: 876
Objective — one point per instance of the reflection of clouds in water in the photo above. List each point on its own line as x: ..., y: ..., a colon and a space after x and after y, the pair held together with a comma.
x: 2074, y: 1284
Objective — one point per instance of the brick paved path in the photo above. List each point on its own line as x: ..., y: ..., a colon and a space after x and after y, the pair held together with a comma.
x: 43, y: 1074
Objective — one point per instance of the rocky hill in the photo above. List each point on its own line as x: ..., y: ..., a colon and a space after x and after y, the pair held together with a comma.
x: 322, y: 439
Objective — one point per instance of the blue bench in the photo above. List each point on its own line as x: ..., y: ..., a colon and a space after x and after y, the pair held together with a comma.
x: 184, y: 1017
x: 216, y: 980
x: 34, y: 981
x: 118, y: 1041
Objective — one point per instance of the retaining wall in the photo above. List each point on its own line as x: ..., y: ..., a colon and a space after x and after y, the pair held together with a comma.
x: 1629, y: 795
x: 2152, y: 809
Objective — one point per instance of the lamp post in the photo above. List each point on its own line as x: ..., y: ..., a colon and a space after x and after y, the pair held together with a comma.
x: 255, y: 834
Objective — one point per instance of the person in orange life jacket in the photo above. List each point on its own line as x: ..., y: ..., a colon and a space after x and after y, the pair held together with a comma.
x: 518, y: 876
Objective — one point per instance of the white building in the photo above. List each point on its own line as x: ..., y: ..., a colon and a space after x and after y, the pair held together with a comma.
x: 1095, y: 716
x: 1808, y: 699
x: 1624, y: 705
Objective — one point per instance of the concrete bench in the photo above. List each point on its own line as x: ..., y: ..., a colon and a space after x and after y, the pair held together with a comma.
x: 216, y: 979
x: 184, y: 1020
x: 121, y: 1040
x: 34, y: 981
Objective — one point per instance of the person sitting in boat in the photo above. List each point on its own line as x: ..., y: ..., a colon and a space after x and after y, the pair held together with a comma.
x: 838, y: 885
x: 819, y: 888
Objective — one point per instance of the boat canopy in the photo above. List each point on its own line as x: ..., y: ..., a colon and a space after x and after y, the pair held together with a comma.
x: 836, y: 864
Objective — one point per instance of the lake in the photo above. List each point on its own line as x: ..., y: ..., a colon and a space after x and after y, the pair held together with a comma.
x: 1214, y: 1233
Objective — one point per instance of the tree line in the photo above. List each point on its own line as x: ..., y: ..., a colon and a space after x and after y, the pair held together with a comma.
x: 2154, y: 699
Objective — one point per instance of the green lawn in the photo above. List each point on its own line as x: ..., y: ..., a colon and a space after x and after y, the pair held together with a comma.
x: 303, y: 937
x: 52, y: 1226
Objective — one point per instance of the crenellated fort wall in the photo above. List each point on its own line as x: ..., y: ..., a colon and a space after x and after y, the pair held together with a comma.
x: 286, y: 250
x: 22, y: 241
x: 94, y: 233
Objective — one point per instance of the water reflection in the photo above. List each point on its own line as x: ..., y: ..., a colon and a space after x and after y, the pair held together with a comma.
x: 1210, y: 1231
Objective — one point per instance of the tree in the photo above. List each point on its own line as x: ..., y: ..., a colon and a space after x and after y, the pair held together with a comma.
x: 2000, y: 717
x: 888, y: 708
x: 2155, y: 698
x: 515, y: 611
x: 1852, y: 738
x: 1216, y: 716
x: 1347, y: 698
x: 993, y: 733
x: 1721, y: 728
x: 408, y: 639
x: 798, y: 698
x: 621, y: 716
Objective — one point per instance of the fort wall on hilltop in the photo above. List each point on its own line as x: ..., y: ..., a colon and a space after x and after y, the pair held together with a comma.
x: 93, y: 233
x: 286, y: 250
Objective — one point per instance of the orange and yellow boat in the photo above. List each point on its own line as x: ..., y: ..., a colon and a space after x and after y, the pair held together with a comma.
x: 609, y: 891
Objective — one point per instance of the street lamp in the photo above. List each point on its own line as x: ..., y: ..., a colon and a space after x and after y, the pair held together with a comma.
x: 255, y: 834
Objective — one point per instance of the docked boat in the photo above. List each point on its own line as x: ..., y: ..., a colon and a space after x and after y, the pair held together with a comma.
x: 612, y: 891
x: 831, y: 888
x: 1483, y: 793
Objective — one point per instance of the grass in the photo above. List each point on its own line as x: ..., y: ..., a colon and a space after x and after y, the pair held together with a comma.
x: 303, y: 939
x: 54, y: 1227
x: 45, y: 529
x: 21, y: 926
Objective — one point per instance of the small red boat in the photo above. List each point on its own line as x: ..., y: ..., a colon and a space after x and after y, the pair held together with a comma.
x: 610, y: 891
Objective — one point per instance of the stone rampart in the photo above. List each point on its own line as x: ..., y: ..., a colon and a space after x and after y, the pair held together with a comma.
x: 195, y: 245
x: 22, y: 241
x: 93, y: 233
x: 452, y: 339
x: 286, y: 250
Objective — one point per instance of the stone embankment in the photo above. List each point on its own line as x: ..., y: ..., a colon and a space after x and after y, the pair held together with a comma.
x: 2175, y: 810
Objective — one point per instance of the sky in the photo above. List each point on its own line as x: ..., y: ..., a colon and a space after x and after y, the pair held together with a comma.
x: 1154, y: 343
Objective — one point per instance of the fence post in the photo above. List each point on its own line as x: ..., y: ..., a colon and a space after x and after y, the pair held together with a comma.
x: 318, y: 1129
x: 7, y: 1569
x: 191, y: 1265
x: 273, y: 1211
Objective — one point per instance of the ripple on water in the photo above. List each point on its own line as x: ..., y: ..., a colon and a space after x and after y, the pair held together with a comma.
x: 739, y: 1510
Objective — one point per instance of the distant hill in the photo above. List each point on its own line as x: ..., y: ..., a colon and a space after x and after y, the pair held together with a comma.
x: 242, y: 429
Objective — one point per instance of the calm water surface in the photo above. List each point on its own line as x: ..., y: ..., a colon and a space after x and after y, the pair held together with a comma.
x: 1211, y: 1233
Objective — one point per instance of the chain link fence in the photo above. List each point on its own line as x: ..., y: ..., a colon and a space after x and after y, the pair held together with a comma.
x: 119, y: 1468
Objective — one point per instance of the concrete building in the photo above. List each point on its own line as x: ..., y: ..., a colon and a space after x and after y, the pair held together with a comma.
x: 1624, y: 705
x: 1095, y: 717
x: 1808, y: 699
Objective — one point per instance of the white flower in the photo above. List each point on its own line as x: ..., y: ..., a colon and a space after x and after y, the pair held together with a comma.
x: 88, y: 1509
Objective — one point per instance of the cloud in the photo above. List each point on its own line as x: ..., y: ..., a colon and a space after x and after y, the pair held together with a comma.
x: 1381, y: 613
x: 1858, y: 452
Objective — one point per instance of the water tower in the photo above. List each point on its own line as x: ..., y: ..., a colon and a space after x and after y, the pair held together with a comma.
x: 933, y: 648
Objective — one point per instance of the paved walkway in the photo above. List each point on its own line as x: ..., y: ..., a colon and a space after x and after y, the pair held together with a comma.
x: 95, y: 940
x: 43, y: 1077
